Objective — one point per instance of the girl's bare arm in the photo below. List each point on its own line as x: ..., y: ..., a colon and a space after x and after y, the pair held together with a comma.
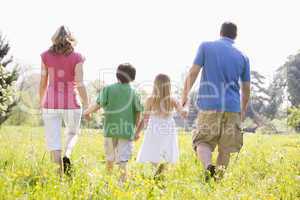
x: 144, y: 122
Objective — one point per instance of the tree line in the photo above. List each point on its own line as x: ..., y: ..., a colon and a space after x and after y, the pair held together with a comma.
x: 277, y: 99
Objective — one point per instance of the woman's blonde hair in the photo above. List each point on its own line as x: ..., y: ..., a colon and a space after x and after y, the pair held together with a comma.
x: 160, y: 100
x: 63, y: 41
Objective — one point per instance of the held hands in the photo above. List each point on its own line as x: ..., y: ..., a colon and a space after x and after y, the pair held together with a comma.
x: 87, y: 115
x: 137, y: 136
x: 184, y: 114
x: 184, y: 100
x: 88, y: 111
x: 183, y: 111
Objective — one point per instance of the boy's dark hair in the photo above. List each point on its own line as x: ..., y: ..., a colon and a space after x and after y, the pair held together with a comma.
x: 229, y: 30
x: 126, y: 73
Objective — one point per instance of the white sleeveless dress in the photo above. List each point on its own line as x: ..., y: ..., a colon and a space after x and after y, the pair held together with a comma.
x: 160, y: 142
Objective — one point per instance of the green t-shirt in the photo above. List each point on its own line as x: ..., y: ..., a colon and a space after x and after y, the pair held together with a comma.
x: 121, y: 104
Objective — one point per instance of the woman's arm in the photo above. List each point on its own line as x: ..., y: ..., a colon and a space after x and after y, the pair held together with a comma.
x: 80, y: 85
x: 43, y: 82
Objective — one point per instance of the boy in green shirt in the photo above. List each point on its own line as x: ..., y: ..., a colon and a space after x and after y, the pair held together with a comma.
x: 122, y: 108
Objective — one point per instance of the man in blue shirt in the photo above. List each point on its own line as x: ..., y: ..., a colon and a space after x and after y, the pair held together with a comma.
x: 224, y: 70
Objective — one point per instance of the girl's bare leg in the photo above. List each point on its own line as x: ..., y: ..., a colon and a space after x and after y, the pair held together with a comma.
x: 56, y: 158
x: 124, y: 171
x: 160, y: 169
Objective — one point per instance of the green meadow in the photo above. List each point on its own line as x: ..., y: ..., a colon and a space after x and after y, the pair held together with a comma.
x: 268, y: 167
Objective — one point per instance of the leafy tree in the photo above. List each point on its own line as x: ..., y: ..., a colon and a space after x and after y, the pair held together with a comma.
x: 276, y: 92
x: 94, y: 87
x: 285, y: 83
x: 27, y: 110
x: 287, y: 78
x: 7, y: 79
x: 292, y: 70
x: 266, y: 99
x: 294, y: 118
x: 259, y: 96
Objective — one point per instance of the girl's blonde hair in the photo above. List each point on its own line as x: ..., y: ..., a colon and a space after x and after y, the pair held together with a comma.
x: 63, y: 41
x: 160, y: 100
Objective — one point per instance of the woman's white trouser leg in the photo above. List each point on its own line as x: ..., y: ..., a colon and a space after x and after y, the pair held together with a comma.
x: 72, y: 120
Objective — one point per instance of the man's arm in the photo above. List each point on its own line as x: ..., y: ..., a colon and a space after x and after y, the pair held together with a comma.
x: 189, y: 82
x: 245, y: 98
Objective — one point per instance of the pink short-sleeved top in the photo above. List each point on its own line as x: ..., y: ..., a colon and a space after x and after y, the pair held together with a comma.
x: 61, y: 92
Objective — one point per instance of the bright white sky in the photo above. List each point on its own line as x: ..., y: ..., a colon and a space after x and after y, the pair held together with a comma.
x: 157, y: 36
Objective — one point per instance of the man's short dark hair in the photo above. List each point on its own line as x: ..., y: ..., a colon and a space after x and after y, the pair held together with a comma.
x: 126, y: 73
x: 229, y: 30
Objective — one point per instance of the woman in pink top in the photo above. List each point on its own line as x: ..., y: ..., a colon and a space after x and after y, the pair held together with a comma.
x: 61, y: 79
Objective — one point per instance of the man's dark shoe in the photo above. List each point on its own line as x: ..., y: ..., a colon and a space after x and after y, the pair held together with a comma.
x: 67, y: 165
x: 220, y: 171
x: 210, y: 172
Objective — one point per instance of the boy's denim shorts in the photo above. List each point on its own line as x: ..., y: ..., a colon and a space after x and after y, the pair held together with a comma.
x: 118, y: 150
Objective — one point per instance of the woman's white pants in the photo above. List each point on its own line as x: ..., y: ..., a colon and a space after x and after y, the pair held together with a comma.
x: 53, y: 124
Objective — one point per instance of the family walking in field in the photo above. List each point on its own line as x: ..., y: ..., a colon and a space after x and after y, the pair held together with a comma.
x: 225, y: 71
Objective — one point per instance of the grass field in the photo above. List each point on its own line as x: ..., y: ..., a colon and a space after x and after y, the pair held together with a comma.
x: 266, y: 168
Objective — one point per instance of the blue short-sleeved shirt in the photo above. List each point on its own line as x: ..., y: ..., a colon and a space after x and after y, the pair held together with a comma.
x: 223, y: 66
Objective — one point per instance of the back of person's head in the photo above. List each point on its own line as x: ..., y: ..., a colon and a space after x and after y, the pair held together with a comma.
x: 161, y: 95
x: 125, y: 73
x: 228, y: 29
x: 63, y: 41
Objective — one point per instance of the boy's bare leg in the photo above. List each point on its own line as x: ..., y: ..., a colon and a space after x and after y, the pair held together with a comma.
x: 124, y: 171
x: 109, y: 166
x: 155, y: 165
x: 204, y: 154
x: 56, y: 158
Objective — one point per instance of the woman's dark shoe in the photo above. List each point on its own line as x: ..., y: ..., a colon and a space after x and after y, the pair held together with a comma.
x: 67, y: 165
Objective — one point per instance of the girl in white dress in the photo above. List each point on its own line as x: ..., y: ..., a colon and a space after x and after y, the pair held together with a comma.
x: 160, y: 144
